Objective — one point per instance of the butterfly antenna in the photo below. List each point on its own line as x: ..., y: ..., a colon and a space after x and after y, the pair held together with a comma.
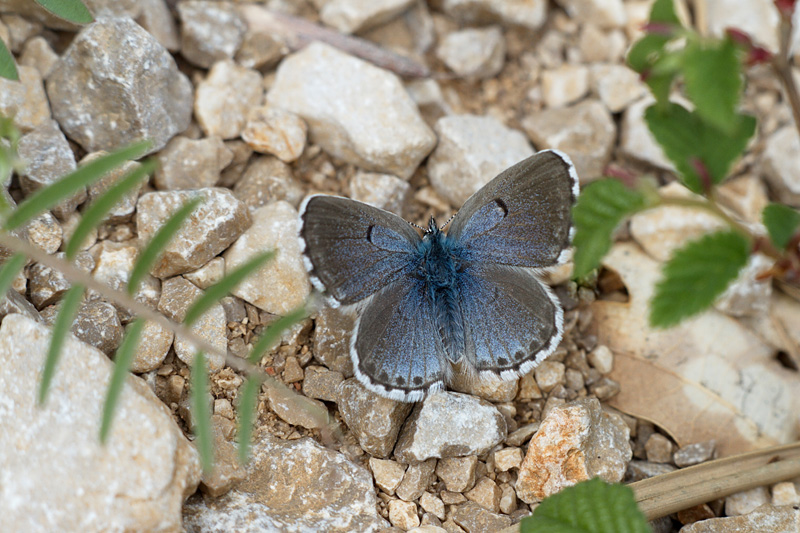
x: 416, y: 225
x: 448, y: 221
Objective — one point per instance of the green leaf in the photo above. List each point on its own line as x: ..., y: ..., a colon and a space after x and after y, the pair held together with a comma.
x: 601, y: 207
x: 66, y: 315
x: 686, y: 137
x: 589, y: 507
x: 712, y: 73
x: 45, y: 198
x: 664, y: 11
x: 8, y: 69
x: 247, y: 407
x: 72, y: 10
x: 273, y: 333
x: 9, y: 271
x: 122, y: 363
x: 695, y: 275
x: 150, y: 254
x: 221, y: 289
x: 201, y: 413
x: 94, y: 215
x: 645, y: 51
x: 782, y: 223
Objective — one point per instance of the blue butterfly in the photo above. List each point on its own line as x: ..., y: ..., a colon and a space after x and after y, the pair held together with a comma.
x: 469, y: 300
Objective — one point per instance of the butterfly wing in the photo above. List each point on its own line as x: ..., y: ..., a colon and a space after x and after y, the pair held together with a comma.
x: 512, y: 321
x: 353, y: 250
x: 396, y: 349
x: 521, y: 217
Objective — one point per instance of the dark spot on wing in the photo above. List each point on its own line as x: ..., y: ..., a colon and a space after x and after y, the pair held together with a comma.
x: 502, y: 361
x: 417, y: 380
x: 501, y: 206
x: 400, y: 381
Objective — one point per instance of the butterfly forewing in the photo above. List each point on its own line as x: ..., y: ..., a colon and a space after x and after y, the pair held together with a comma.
x: 521, y: 217
x: 354, y: 249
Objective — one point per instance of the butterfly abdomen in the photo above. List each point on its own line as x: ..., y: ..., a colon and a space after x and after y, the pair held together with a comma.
x: 439, y: 270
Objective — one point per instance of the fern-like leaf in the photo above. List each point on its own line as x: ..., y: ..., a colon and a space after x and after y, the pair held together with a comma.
x: 221, y: 289
x: 201, y: 412
x: 66, y: 315
x: 122, y: 362
x: 150, y: 254
x: 45, y: 198
x: 247, y: 408
x: 72, y: 10
x: 94, y: 215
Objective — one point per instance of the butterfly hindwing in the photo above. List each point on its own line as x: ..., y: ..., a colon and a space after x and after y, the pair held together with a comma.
x: 354, y: 249
x: 396, y: 349
x: 512, y: 320
x: 521, y: 217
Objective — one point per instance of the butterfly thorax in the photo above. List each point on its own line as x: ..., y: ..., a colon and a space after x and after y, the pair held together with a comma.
x: 439, y: 270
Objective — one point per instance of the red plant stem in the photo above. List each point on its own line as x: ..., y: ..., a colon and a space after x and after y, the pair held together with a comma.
x: 782, y: 65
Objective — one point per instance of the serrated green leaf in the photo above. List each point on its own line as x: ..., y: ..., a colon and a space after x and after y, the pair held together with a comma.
x: 8, y: 69
x: 696, y: 275
x: 122, y: 363
x: 201, y: 412
x: 72, y: 10
x: 273, y: 333
x: 664, y: 11
x: 685, y: 137
x: 150, y: 254
x: 94, y: 215
x: 712, y: 73
x: 601, y: 207
x: 66, y: 315
x: 11, y: 267
x: 45, y: 198
x: 645, y: 51
x: 247, y: 407
x: 221, y: 289
x: 589, y: 507
x: 782, y: 223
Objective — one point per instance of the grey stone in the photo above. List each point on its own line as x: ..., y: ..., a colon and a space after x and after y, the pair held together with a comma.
x: 474, y: 52
x: 47, y: 286
x: 153, y: 348
x: 25, y: 100
x: 387, y: 474
x: 450, y: 424
x: 97, y: 324
x: 417, y: 479
x: 604, y: 13
x: 241, y: 157
x: 475, y: 519
x: 48, y: 158
x: 564, y: 85
x: 747, y: 501
x: 270, y: 130
x: 217, y: 222
x: 471, y: 151
x: 224, y: 99
x: 227, y: 470
x: 289, y: 486
x: 116, y: 84
x: 383, y: 191
x: 210, y: 31
x: 487, y: 494
x: 636, y: 140
x: 259, y: 50
x: 575, y: 442
x: 157, y: 19
x: 767, y: 518
x: 374, y: 420
x: 137, y: 480
x: 325, y: 87
x: 638, y: 470
x: 267, y: 179
x: 208, y: 274
x: 457, y: 473
x: 322, y: 384
x: 617, y: 86
x: 124, y: 208
x: 281, y: 285
x: 781, y: 156
x: 191, y: 164
x: 38, y: 54
x: 586, y: 132
x: 13, y: 302
x: 531, y: 14
x: 295, y: 409
x: 403, y: 515
x: 693, y: 454
x: 332, y: 340
x: 351, y: 16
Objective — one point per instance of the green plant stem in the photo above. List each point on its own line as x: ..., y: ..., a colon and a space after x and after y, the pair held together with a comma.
x: 712, y: 207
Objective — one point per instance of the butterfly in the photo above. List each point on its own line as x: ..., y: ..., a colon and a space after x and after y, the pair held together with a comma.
x: 468, y: 300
